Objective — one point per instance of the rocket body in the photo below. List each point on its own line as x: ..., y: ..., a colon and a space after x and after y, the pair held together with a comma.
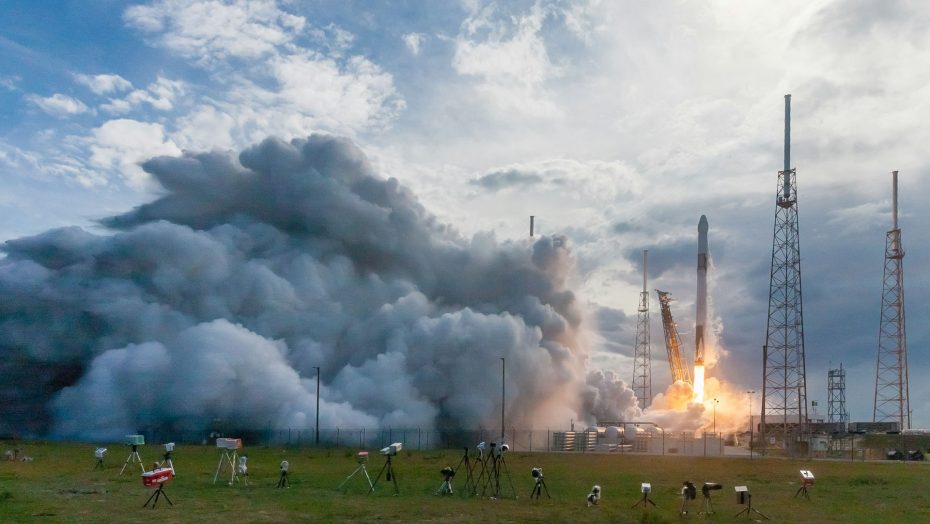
x: 700, y: 318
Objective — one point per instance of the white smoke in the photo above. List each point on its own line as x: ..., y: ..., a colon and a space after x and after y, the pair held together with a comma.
x: 219, y: 299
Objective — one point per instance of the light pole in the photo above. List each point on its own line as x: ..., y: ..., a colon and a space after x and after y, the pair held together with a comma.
x: 715, y: 415
x: 316, y: 437
x: 503, y: 396
x: 750, y: 393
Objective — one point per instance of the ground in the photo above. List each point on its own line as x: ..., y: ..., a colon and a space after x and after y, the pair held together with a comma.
x: 60, y: 485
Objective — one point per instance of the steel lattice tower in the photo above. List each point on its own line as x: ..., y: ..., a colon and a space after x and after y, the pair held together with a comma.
x: 784, y: 380
x: 836, y: 396
x: 642, y: 375
x: 892, y: 403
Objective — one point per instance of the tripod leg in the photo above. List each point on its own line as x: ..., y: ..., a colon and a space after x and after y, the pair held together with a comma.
x: 360, y: 467
x: 393, y: 478
x: 163, y: 494
x: 384, y: 467
x: 218, y: 467
x: 153, y: 495
x: 546, y: 488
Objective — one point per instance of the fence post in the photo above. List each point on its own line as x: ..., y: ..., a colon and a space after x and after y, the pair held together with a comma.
x: 548, y: 440
x: 337, y: 437
x: 418, y: 439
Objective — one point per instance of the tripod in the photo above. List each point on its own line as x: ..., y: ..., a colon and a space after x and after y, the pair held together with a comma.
x: 802, y: 491
x: 645, y: 501
x: 99, y: 455
x: 167, y: 461
x: 446, y: 487
x: 160, y: 492
x: 749, y: 510
x: 282, y: 480
x: 469, y: 481
x: 227, y: 458
x: 484, y: 470
x: 133, y: 457
x: 708, y: 506
x: 391, y: 476
x: 361, y: 467
x: 494, y: 476
x: 683, y: 510
x: 539, y: 487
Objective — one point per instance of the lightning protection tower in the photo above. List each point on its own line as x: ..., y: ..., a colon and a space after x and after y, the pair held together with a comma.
x: 642, y: 375
x: 836, y: 396
x: 891, y: 389
x: 784, y: 382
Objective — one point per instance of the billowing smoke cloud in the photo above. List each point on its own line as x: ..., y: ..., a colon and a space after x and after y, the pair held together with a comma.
x: 218, y: 300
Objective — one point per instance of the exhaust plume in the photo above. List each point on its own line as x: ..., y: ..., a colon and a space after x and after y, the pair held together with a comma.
x: 218, y: 299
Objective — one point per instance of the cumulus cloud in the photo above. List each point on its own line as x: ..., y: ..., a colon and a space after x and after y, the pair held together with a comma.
x: 508, y: 58
x: 122, y: 144
x: 160, y: 95
x: 58, y: 104
x: 253, y: 269
x: 104, y: 84
x: 208, y: 31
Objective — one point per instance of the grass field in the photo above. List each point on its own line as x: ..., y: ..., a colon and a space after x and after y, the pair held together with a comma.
x: 60, y: 486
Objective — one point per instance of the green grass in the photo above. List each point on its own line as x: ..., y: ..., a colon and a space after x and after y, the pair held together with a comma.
x: 60, y: 486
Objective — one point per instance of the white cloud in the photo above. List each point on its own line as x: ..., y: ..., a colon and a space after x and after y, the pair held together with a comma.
x: 122, y: 144
x: 58, y: 104
x: 413, y: 41
x: 213, y: 30
x: 159, y: 95
x: 9, y: 82
x: 104, y: 84
x: 508, y: 57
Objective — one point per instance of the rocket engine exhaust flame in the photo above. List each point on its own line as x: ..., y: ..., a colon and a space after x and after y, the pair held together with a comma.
x: 699, y: 383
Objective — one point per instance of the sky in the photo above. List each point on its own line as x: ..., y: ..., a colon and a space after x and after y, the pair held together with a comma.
x: 617, y: 124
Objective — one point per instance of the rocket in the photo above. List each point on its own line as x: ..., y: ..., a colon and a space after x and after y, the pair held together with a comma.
x: 700, y: 318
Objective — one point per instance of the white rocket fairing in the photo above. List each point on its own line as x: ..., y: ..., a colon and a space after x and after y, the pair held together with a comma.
x: 700, y: 318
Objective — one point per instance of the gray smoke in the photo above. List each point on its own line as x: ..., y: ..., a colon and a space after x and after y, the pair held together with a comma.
x: 218, y: 299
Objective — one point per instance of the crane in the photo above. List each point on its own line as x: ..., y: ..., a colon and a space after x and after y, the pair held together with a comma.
x: 672, y: 340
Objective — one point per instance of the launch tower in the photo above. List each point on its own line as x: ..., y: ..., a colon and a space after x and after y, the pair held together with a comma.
x: 642, y: 374
x: 891, y: 389
x: 672, y: 340
x: 784, y: 382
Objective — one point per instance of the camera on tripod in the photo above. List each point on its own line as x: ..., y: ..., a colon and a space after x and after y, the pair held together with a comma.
x: 392, y: 449
x: 537, y: 472
x: 447, y: 473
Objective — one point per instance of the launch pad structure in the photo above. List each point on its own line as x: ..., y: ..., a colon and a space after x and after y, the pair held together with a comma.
x: 672, y: 340
x: 892, y: 392
x: 784, y: 380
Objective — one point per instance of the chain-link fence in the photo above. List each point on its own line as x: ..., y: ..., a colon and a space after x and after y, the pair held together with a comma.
x: 524, y: 440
